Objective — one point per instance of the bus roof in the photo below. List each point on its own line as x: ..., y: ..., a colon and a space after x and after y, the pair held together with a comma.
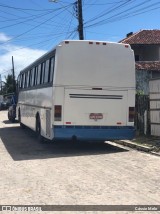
x: 67, y: 42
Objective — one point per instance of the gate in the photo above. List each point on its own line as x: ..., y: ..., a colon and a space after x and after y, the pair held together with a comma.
x: 142, y: 116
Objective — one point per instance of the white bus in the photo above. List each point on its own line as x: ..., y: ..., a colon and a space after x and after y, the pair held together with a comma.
x: 82, y: 90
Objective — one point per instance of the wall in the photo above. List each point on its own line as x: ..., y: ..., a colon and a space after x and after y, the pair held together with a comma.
x: 142, y: 81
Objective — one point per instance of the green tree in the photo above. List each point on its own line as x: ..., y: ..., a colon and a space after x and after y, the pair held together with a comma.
x: 9, y: 87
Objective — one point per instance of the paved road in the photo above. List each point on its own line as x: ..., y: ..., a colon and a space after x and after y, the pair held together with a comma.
x: 86, y: 173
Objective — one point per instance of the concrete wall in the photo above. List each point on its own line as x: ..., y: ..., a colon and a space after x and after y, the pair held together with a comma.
x: 142, y: 80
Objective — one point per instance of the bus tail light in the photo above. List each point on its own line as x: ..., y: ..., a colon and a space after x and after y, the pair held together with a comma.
x: 57, y: 112
x: 119, y: 123
x: 131, y: 114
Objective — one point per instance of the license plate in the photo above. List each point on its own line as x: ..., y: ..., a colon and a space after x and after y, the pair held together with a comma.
x: 96, y: 116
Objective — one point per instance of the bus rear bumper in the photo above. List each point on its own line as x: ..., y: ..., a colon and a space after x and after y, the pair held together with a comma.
x: 94, y: 133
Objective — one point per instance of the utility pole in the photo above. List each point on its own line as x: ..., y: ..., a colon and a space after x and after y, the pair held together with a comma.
x: 13, y: 75
x: 80, y: 20
x: 79, y: 15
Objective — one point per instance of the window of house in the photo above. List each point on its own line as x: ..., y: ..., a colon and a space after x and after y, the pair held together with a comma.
x: 136, y: 58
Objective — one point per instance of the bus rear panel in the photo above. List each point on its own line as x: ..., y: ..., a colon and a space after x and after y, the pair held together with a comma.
x: 94, y: 91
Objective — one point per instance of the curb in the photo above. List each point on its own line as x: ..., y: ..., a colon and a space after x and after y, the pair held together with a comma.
x: 155, y: 153
x: 138, y: 147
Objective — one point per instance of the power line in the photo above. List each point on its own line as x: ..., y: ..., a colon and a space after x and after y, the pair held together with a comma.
x: 23, y: 9
x: 31, y: 29
x: 123, y: 14
x: 22, y: 22
x: 64, y: 27
x: 106, y: 12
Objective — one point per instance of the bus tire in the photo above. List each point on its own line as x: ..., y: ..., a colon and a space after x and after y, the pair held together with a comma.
x: 38, y: 130
x: 13, y: 120
x: 9, y: 117
x: 19, y: 119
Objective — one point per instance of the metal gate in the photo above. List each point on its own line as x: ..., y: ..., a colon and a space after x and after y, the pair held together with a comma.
x: 142, y: 116
x: 154, y: 89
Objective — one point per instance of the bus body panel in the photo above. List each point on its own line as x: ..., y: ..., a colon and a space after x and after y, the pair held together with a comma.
x: 95, y: 115
x: 81, y: 107
x: 94, y: 133
x: 33, y: 102
x: 79, y: 63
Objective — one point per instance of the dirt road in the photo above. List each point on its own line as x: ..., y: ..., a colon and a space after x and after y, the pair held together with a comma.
x: 64, y: 173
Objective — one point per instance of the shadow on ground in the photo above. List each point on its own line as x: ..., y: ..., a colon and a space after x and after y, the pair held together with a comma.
x: 22, y: 144
x: 10, y: 122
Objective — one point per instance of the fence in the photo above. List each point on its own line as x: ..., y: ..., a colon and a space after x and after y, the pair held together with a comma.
x: 142, y: 115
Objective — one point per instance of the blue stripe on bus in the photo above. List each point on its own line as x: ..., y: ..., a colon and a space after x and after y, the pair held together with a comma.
x: 94, y: 133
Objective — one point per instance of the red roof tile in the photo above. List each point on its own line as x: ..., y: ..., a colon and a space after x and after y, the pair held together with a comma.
x: 143, y: 37
x: 152, y: 66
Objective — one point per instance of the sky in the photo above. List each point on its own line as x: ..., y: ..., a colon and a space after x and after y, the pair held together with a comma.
x: 30, y: 28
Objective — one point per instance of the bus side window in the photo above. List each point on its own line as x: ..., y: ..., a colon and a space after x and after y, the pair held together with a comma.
x: 35, y: 75
x: 26, y: 77
x: 43, y: 72
x: 32, y: 81
x: 30, y: 78
x: 23, y: 80
x: 46, y: 71
x: 27, y: 83
x: 52, y: 62
x: 39, y: 74
x: 20, y: 81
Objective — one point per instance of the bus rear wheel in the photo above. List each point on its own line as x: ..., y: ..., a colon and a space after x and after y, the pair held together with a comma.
x: 38, y: 130
x: 19, y: 119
